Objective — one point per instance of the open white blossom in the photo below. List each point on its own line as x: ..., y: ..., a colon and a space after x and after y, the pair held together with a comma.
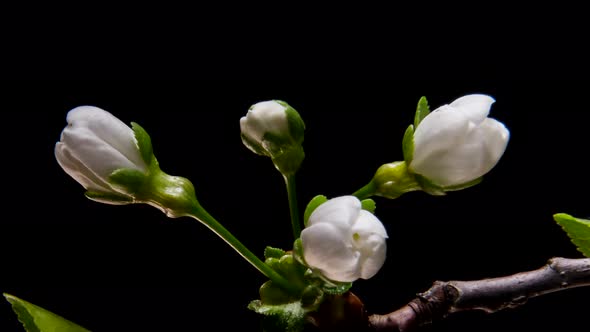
x: 343, y: 241
x: 93, y: 145
x: 458, y: 143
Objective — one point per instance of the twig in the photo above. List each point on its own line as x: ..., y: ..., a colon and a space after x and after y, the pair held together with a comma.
x: 489, y: 295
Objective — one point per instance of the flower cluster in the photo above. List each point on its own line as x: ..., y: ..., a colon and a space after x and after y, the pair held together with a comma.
x: 447, y: 149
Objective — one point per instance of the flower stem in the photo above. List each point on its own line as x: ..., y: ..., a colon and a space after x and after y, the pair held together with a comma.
x: 294, y: 210
x: 200, y: 214
x: 366, y: 191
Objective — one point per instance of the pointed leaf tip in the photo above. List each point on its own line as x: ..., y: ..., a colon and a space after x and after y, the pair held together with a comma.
x: 577, y: 229
x: 37, y: 319
x: 421, y: 111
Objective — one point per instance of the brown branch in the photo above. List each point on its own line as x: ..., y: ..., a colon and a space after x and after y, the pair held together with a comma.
x: 489, y: 295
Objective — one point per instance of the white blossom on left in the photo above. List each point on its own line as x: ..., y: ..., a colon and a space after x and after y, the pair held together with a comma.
x: 93, y: 145
x: 343, y: 241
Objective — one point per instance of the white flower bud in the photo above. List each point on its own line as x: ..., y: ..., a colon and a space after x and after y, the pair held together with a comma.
x: 264, y: 117
x: 343, y: 241
x: 94, y: 145
x: 458, y: 143
x: 274, y: 129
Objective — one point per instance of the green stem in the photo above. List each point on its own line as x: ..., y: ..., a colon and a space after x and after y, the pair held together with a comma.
x: 294, y: 210
x: 366, y: 191
x: 200, y: 214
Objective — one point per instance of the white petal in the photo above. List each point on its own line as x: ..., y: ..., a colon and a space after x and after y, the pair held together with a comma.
x: 109, y: 129
x: 368, y: 224
x: 369, y: 239
x: 476, y: 155
x: 94, y: 153
x: 328, y: 249
x: 371, y: 264
x: 476, y: 107
x: 78, y: 171
x: 439, y: 132
x: 263, y: 117
x: 459, y: 165
x: 497, y: 136
x: 341, y: 211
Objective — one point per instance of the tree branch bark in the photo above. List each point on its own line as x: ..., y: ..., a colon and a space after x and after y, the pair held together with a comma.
x: 489, y: 295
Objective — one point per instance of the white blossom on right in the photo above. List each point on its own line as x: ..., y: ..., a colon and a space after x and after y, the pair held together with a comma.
x: 458, y: 143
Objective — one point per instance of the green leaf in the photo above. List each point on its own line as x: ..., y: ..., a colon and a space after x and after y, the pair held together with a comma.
x: 312, y: 205
x: 577, y: 229
x: 421, y: 111
x: 144, y: 143
x: 289, y: 317
x: 130, y: 179
x: 408, y: 144
x: 369, y: 205
x: 37, y: 319
x: 270, y: 252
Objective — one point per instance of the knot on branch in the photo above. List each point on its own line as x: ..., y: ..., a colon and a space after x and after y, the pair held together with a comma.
x: 434, y: 304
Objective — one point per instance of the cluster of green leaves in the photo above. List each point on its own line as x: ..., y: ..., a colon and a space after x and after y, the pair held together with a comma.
x: 285, y: 311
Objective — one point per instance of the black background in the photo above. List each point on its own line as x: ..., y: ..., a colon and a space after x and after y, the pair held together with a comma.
x: 129, y: 268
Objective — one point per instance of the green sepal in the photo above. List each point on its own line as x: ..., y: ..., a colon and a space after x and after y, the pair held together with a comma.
x: 577, y: 229
x: 328, y: 286
x: 271, y: 294
x: 254, y: 147
x: 421, y: 111
x: 275, y: 144
x: 312, y: 297
x: 337, y: 288
x: 289, y: 317
x: 273, y: 263
x: 428, y: 186
x: 312, y: 205
x: 464, y: 185
x: 289, y: 160
x: 108, y: 198
x: 368, y: 205
x: 296, y: 124
x: 130, y: 179
x: 298, y: 252
x: 144, y: 143
x: 291, y: 269
x: 37, y: 319
x: 270, y: 252
x: 408, y: 144
x: 392, y: 180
